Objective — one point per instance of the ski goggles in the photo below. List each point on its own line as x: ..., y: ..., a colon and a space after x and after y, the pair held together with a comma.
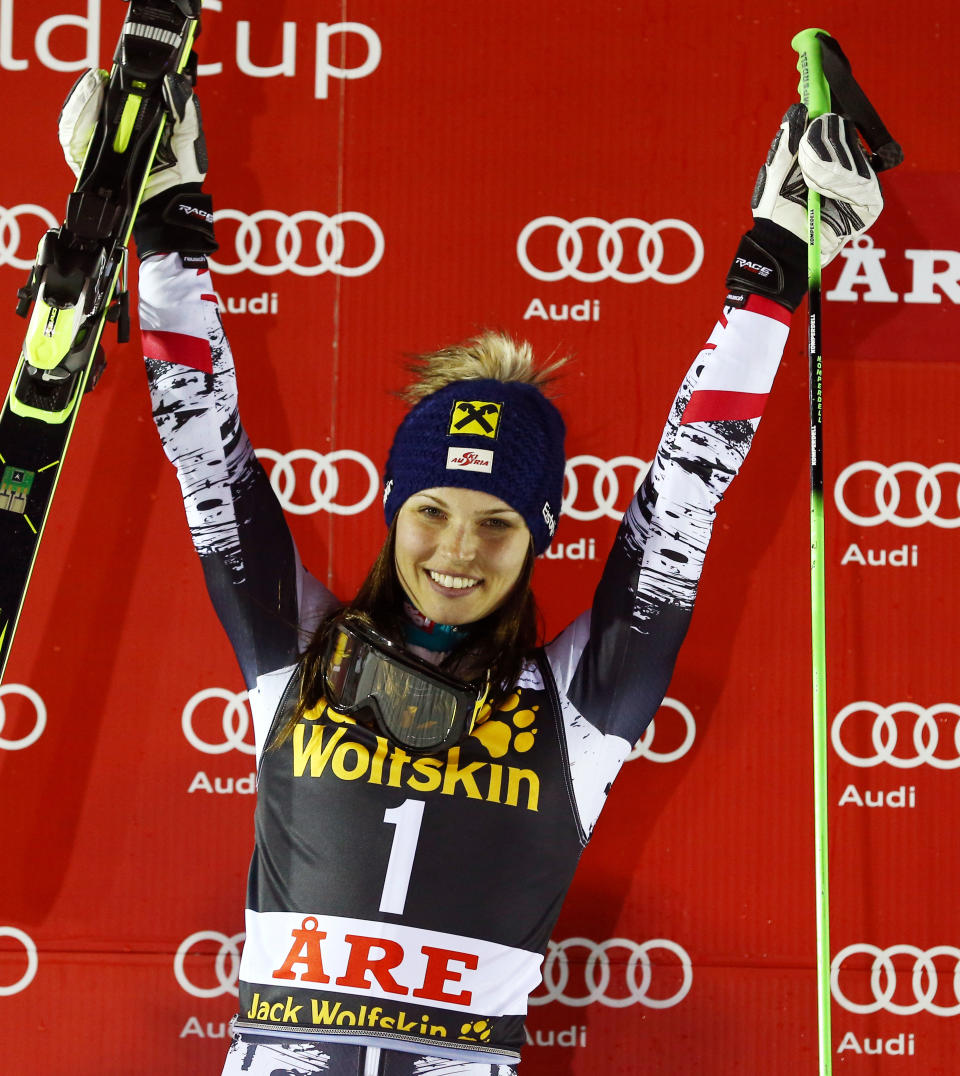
x: 412, y: 703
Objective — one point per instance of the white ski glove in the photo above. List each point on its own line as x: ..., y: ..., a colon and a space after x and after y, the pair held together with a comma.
x: 175, y: 214
x: 827, y: 157
x: 181, y: 156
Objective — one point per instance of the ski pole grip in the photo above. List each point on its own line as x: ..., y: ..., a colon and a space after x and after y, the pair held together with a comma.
x: 814, y: 89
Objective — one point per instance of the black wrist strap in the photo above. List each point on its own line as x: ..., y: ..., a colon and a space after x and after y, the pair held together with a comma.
x: 179, y: 219
x: 770, y: 261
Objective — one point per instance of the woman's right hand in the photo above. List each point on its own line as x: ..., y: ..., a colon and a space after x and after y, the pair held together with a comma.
x: 182, y: 154
x: 175, y: 214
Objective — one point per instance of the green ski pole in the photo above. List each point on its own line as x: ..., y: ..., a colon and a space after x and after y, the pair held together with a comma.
x: 815, y: 95
x: 826, y: 84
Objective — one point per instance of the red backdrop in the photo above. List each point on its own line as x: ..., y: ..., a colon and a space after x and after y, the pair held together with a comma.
x: 443, y: 134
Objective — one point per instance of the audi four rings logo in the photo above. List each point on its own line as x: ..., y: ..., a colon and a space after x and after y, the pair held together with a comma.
x: 884, y: 735
x: 617, y: 973
x: 290, y: 253
x: 235, y: 721
x: 11, y: 234
x: 39, y: 717
x: 644, y: 746
x: 226, y: 964
x: 610, y: 249
x: 922, y: 980
x: 929, y: 497
x: 32, y: 961
x: 607, y: 496
x: 324, y: 480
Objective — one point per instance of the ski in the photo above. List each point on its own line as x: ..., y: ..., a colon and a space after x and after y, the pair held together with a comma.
x: 78, y: 283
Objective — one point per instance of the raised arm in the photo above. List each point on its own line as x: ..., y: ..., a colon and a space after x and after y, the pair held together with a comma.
x: 259, y: 589
x: 261, y: 593
x: 618, y: 660
x: 644, y: 602
x: 264, y: 598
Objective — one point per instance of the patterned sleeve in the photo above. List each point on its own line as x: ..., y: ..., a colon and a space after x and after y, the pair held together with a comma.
x: 264, y: 598
x: 643, y: 604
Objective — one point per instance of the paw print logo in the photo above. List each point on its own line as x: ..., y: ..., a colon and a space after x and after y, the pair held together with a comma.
x: 478, y: 1031
x: 508, y: 727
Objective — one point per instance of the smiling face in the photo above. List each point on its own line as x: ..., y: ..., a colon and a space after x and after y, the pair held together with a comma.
x: 458, y: 553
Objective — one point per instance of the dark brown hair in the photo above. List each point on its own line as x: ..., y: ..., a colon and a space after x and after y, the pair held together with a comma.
x: 500, y: 642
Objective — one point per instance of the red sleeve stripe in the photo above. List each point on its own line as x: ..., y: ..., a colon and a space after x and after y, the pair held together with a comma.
x: 210, y: 297
x: 768, y: 308
x: 721, y: 405
x: 184, y: 350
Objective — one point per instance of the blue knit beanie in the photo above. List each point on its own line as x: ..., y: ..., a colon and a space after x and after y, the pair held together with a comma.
x: 504, y: 438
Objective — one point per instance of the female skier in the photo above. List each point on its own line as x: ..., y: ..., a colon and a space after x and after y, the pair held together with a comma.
x: 428, y: 773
